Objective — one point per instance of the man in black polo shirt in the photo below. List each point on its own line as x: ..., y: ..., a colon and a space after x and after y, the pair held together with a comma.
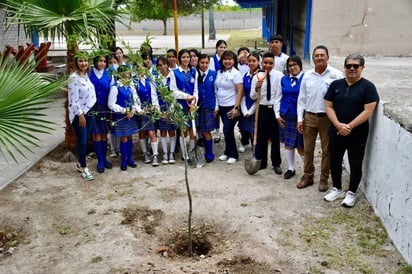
x: 349, y: 104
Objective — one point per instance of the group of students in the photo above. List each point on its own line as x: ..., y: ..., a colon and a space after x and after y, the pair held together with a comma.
x: 109, y: 101
x: 268, y: 96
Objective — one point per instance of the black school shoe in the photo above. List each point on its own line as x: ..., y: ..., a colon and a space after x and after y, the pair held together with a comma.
x: 289, y: 174
x: 278, y: 170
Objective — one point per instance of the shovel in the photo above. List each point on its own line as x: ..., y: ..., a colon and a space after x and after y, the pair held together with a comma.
x: 252, y: 165
x: 196, y: 155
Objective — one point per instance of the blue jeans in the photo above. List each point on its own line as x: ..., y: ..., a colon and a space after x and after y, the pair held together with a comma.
x: 229, y: 132
x: 83, y: 135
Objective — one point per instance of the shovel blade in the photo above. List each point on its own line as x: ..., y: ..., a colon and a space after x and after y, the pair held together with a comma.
x: 252, y: 165
x: 197, y: 158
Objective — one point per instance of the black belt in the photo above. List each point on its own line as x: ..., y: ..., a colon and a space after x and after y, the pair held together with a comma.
x: 319, y: 114
x: 266, y: 106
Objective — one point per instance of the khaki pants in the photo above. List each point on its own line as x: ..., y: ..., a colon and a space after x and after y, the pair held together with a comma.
x: 312, y: 125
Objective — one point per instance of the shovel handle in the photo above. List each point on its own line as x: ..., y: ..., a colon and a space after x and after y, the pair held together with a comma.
x: 191, y: 108
x: 257, y: 108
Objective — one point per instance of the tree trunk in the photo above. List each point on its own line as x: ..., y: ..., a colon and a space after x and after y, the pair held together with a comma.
x: 164, y: 26
x: 70, y: 136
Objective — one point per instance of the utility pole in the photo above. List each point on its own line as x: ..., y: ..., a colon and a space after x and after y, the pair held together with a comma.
x: 175, y: 25
x: 203, y: 25
x: 212, y: 31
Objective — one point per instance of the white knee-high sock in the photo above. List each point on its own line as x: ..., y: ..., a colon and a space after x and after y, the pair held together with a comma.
x: 143, y: 144
x: 163, y: 142
x: 290, y: 157
x: 155, y: 147
x: 172, y: 144
x: 302, y: 157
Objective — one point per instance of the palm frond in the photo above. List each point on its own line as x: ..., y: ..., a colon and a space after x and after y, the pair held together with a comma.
x: 24, y: 94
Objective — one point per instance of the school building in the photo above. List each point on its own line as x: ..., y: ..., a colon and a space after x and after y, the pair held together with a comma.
x: 370, y: 27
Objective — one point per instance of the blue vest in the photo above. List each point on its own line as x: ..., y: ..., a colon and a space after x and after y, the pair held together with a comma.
x: 185, y: 81
x: 247, y: 85
x: 163, y: 105
x: 144, y: 91
x: 217, y: 65
x: 124, y: 96
x: 102, y: 86
x: 289, y: 101
x: 207, y: 97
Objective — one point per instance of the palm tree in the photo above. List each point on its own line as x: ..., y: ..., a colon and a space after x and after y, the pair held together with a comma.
x: 23, y: 95
x: 74, y: 21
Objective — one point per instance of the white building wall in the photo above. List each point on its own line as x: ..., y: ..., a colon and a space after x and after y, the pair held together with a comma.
x: 388, y: 188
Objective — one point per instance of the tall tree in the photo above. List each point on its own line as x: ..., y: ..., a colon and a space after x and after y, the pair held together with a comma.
x: 73, y: 20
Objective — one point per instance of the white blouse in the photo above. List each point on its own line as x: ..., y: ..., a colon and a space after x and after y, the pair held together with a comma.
x: 225, y: 86
x: 81, y: 95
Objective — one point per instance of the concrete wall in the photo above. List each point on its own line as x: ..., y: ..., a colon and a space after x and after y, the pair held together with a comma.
x: 222, y: 20
x: 387, y: 179
x: 366, y: 26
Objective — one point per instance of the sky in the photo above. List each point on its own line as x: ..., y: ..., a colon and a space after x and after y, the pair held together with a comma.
x: 229, y: 2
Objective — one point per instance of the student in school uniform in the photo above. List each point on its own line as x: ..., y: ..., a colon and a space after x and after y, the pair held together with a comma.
x: 146, y: 90
x: 205, y: 85
x: 101, y: 79
x: 287, y: 116
x: 248, y: 105
x: 268, y: 128
x: 214, y: 64
x: 171, y: 56
x: 184, y: 80
x: 114, y: 141
x: 242, y: 55
x: 165, y: 126
x: 124, y: 102
x: 194, y: 57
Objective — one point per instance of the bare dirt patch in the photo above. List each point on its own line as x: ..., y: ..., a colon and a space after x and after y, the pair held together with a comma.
x: 136, y: 222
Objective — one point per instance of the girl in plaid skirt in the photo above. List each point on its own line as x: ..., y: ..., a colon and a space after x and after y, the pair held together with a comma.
x: 286, y: 113
x: 146, y: 90
x: 248, y: 105
x: 123, y: 100
x: 165, y: 77
x: 184, y: 80
x: 102, y: 81
x: 205, y: 85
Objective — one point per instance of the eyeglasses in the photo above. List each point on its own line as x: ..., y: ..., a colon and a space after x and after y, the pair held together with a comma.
x: 349, y: 66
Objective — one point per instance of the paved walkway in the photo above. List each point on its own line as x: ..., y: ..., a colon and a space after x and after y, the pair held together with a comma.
x: 11, y: 170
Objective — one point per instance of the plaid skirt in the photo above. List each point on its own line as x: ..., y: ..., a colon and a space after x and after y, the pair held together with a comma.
x: 205, y: 120
x: 123, y: 127
x: 145, y: 122
x: 102, y: 116
x: 290, y: 135
x: 165, y: 124
x: 247, y: 124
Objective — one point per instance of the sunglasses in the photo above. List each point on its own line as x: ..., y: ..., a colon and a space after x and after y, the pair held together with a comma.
x: 349, y: 66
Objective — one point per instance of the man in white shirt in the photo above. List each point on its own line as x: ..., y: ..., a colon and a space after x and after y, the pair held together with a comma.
x: 312, y: 118
x: 275, y: 46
